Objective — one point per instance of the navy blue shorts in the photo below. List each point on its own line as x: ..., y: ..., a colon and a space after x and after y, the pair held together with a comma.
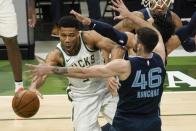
x: 136, y: 124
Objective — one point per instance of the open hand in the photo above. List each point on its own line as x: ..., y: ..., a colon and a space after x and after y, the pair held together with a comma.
x: 38, y: 71
x: 120, y: 7
x: 84, y: 20
x: 113, y: 85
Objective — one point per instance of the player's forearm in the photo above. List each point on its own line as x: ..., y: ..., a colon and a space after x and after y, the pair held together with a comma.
x: 31, y: 8
x: 31, y: 5
x: 59, y: 70
x: 76, y: 72
x: 138, y: 21
x: 109, y: 32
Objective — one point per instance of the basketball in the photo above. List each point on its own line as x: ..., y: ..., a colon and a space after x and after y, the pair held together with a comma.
x: 25, y: 104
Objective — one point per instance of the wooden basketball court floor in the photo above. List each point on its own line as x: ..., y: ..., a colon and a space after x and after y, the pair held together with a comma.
x: 178, y: 111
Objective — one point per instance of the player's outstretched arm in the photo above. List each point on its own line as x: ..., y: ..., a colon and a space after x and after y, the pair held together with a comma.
x: 113, y: 68
x: 103, y: 28
x: 53, y: 58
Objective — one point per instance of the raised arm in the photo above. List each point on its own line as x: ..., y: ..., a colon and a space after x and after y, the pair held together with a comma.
x: 126, y: 14
x: 102, y: 28
x: 126, y: 25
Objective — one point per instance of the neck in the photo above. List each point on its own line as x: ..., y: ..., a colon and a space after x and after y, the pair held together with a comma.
x: 144, y: 54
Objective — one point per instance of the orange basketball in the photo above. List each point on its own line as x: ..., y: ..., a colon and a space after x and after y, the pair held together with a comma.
x: 25, y: 103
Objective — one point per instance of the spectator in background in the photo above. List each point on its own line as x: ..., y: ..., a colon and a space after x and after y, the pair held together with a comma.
x: 56, y: 13
x: 133, y: 5
x: 94, y: 9
x: 184, y: 8
x: 9, y: 32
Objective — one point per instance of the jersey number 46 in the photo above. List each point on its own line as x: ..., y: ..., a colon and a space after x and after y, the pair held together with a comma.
x: 152, y: 79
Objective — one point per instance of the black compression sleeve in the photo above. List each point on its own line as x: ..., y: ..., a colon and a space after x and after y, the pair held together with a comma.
x: 108, y: 31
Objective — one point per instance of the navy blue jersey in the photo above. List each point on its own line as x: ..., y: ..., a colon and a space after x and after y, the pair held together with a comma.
x: 140, y: 94
x: 163, y: 23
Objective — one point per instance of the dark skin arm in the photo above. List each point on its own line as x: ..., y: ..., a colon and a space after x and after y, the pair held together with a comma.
x: 54, y: 58
x: 95, y: 40
x: 31, y: 13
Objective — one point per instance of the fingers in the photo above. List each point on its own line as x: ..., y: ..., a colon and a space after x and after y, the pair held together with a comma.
x: 113, y: 86
x: 30, y: 74
x: 33, y: 86
x: 118, y: 17
x: 31, y: 66
x: 37, y: 92
x: 113, y: 91
x: 32, y: 23
x: 39, y: 59
x: 77, y: 15
x: 73, y: 12
x: 114, y: 3
x: 113, y: 83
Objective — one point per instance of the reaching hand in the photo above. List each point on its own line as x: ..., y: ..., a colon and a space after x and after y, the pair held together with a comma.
x: 84, y: 20
x: 39, y: 71
x: 120, y: 7
x: 113, y: 85
x: 37, y: 82
x: 36, y: 92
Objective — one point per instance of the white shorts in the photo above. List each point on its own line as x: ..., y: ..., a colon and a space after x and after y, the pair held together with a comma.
x: 86, y: 109
x: 8, y: 21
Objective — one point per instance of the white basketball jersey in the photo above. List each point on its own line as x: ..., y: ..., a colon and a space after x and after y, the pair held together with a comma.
x: 6, y: 8
x: 86, y: 57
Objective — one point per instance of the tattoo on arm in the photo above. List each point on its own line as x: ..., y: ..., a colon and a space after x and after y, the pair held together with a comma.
x: 60, y: 70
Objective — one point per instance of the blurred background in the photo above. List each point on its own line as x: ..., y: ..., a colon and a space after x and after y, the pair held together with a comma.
x: 49, y: 11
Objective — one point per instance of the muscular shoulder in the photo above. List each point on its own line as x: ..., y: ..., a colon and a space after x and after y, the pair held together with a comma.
x: 176, y: 19
x: 91, y: 38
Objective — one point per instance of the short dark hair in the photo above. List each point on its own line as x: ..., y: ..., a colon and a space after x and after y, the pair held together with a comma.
x: 148, y: 38
x: 68, y: 21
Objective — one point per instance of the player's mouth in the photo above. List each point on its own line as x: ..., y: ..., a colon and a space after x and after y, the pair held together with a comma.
x: 69, y: 48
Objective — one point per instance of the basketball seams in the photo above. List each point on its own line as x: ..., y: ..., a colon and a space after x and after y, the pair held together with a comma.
x: 26, y: 104
x: 15, y: 104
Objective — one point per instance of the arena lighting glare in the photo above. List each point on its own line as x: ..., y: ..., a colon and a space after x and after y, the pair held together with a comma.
x: 152, y: 4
